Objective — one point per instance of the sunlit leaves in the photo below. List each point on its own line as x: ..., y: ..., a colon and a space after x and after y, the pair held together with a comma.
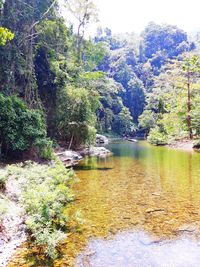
x: 5, y: 36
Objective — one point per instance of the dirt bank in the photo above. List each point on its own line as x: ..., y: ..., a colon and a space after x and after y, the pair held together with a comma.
x: 183, y: 144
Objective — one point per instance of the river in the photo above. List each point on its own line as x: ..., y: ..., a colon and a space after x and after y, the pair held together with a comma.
x: 147, y: 201
x: 141, y: 207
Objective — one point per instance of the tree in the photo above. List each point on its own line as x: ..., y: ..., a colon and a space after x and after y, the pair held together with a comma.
x: 147, y: 120
x: 162, y: 42
x: 75, y: 116
x: 135, y: 97
x: 17, y: 73
x: 84, y: 11
x: 191, y: 67
x: 124, y: 123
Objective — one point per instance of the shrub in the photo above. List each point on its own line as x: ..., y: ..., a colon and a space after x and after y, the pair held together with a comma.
x: 45, y: 196
x: 147, y: 120
x: 196, y: 120
x: 21, y: 129
x: 156, y: 137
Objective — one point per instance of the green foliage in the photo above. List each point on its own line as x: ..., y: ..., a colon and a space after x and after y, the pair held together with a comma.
x: 196, y: 119
x: 163, y: 42
x: 75, y: 116
x: 147, y: 120
x: 45, y: 197
x: 135, y: 93
x: 191, y: 64
x: 93, y: 55
x: 157, y: 137
x: 5, y: 35
x: 168, y: 100
x: 21, y: 129
x: 123, y: 124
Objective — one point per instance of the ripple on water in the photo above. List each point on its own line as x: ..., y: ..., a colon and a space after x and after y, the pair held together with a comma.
x: 137, y: 249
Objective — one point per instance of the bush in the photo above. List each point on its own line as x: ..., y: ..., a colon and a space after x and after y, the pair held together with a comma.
x: 147, y: 120
x: 45, y: 196
x: 21, y: 129
x: 156, y: 137
x: 196, y: 120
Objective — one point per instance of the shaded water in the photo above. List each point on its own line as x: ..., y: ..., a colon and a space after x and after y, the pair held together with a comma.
x: 139, y: 191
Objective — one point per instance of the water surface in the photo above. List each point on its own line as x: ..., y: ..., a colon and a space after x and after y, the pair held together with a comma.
x: 140, y: 193
x: 152, y: 191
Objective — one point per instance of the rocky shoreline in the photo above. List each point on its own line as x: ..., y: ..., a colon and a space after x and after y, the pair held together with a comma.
x: 12, y: 228
x: 12, y: 233
x: 71, y: 158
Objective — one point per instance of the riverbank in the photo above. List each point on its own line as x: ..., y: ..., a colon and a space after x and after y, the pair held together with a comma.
x: 12, y: 215
x: 12, y: 227
x: 33, y: 198
x: 183, y: 144
x: 71, y: 158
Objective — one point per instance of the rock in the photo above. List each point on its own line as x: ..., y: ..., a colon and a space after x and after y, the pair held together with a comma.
x: 99, y: 152
x: 13, y: 234
x: 69, y: 157
x: 156, y: 194
x: 131, y: 140
x: 188, y: 228
x: 101, y: 139
x: 154, y: 210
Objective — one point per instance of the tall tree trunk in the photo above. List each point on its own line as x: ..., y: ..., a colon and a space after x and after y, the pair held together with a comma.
x: 189, y: 107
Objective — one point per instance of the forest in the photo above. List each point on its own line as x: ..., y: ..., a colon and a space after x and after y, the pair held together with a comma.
x: 59, y: 88
x: 65, y: 88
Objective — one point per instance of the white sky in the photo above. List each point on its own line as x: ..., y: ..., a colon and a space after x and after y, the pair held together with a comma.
x: 134, y: 15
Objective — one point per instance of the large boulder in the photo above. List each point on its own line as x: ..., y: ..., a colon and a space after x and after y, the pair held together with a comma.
x: 69, y: 157
x: 99, y: 152
x: 101, y: 139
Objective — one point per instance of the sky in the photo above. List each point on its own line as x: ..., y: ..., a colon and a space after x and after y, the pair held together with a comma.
x: 134, y: 15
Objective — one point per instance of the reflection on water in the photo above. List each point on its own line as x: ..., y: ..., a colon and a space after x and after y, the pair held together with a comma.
x: 139, y: 188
